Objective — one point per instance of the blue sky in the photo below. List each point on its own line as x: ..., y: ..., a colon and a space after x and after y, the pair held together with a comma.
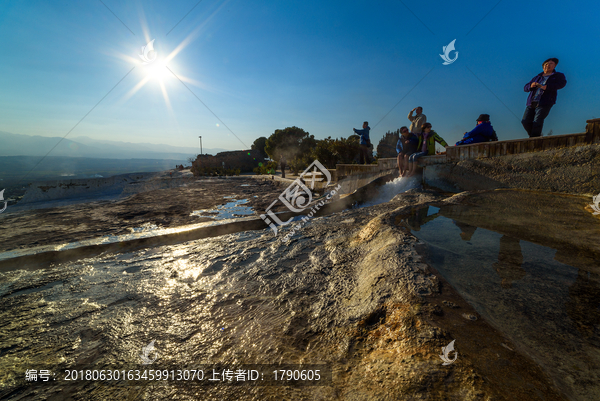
x: 266, y: 65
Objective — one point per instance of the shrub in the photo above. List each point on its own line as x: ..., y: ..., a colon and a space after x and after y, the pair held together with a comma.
x: 266, y: 168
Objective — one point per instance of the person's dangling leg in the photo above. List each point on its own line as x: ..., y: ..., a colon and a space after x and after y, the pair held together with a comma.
x: 411, y: 165
x: 406, y: 157
x: 400, y: 161
x: 404, y: 164
x: 413, y: 162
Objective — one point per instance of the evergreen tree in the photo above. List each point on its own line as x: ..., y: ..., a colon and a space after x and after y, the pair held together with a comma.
x: 387, y: 144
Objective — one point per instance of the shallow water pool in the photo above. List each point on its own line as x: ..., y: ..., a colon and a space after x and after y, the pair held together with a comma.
x: 529, y: 264
x: 229, y: 210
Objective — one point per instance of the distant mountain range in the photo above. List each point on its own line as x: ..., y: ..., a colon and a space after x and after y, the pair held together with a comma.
x: 16, y: 172
x: 82, y: 146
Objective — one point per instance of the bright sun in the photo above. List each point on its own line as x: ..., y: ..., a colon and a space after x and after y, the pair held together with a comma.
x: 157, y: 70
x: 155, y: 66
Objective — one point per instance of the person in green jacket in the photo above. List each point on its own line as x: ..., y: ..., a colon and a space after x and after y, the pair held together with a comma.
x: 426, y: 147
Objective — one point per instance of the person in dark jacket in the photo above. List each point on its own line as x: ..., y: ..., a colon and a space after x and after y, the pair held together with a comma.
x: 406, y: 146
x: 483, y: 132
x: 283, y: 165
x: 365, y: 143
x: 425, y: 147
x: 542, y: 96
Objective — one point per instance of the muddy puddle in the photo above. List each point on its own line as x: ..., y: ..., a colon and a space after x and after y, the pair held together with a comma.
x: 529, y: 263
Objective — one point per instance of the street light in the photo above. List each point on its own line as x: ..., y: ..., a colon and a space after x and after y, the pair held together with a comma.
x: 200, y: 144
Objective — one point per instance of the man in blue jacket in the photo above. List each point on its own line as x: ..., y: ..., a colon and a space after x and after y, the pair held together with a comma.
x: 406, y: 146
x: 542, y: 96
x: 483, y: 132
x: 365, y: 143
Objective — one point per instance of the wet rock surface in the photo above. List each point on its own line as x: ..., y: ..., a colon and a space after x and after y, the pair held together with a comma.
x: 21, y: 227
x: 349, y: 289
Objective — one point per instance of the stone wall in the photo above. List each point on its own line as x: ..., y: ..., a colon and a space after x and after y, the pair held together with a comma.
x: 561, y: 163
x: 353, y: 176
x: 573, y: 170
x: 517, y: 146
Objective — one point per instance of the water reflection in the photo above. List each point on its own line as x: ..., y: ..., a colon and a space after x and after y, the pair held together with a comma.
x: 510, y: 256
x: 420, y: 216
x: 532, y: 273
x: 466, y: 230
x: 510, y: 261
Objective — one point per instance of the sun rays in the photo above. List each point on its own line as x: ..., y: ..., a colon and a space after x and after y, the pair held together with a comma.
x: 156, y: 68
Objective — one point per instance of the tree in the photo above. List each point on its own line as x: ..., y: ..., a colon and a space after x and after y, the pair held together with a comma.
x: 266, y: 168
x: 259, y: 144
x: 324, y: 152
x: 347, y: 149
x: 336, y: 151
x: 294, y: 144
x: 387, y: 144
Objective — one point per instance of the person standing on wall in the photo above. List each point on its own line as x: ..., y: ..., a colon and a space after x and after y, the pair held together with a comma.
x: 365, y: 143
x: 417, y: 121
x: 542, y: 96
x: 283, y: 165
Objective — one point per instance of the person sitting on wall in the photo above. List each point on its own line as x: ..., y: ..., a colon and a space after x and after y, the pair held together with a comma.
x: 426, y: 147
x: 483, y: 132
x: 406, y: 146
x: 365, y: 143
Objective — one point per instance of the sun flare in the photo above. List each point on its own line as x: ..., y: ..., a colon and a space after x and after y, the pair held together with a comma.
x: 157, y: 70
x: 156, y: 67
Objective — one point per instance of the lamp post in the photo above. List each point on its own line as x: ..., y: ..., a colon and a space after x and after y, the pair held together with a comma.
x: 200, y: 138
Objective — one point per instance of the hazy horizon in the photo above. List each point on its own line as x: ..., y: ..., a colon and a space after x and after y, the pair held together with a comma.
x: 86, y: 140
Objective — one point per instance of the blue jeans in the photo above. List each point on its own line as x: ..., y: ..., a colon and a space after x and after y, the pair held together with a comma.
x: 533, y: 119
x: 413, y: 158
